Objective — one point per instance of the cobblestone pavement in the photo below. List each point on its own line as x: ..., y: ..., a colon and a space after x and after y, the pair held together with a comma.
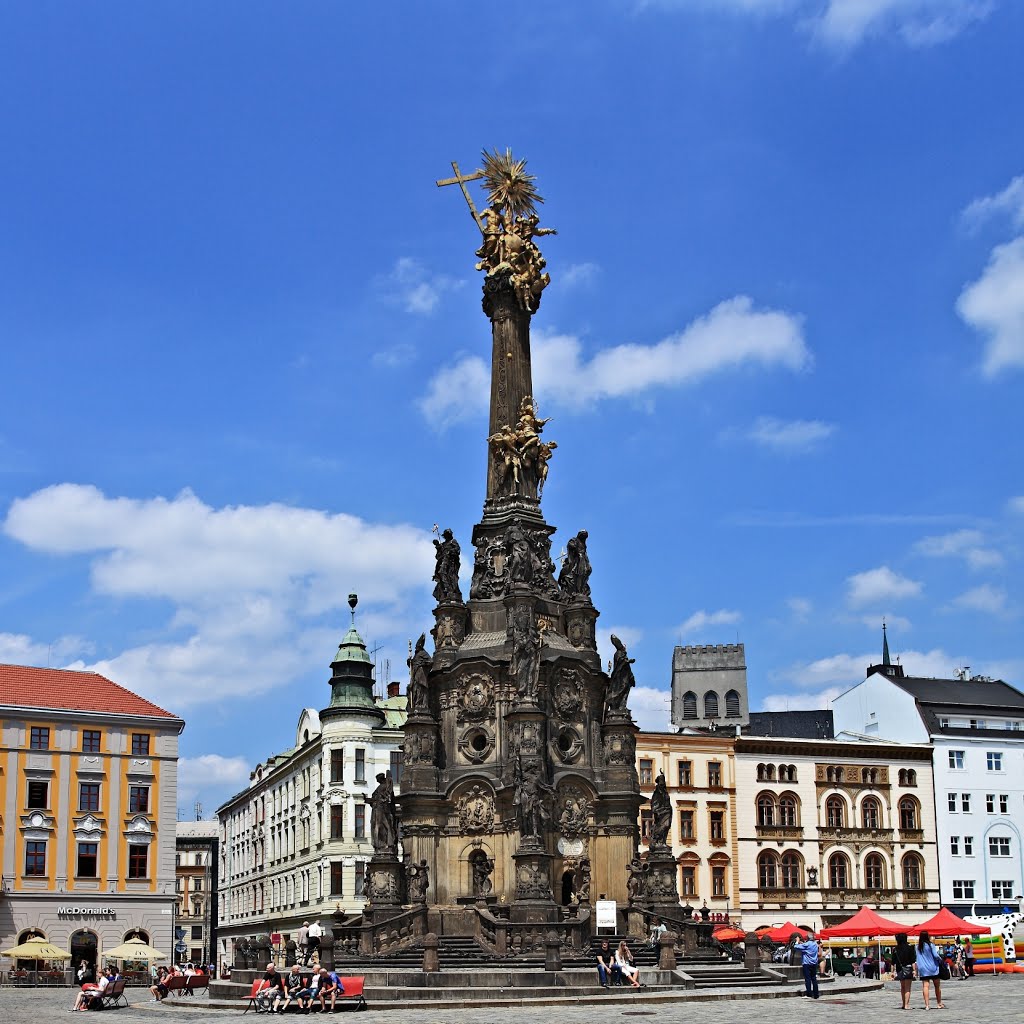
x: 982, y: 999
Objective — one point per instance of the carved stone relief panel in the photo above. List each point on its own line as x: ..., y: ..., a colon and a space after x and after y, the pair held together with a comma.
x: 476, y: 697
x: 573, y: 810
x: 567, y: 693
x: 619, y: 748
x: 476, y: 810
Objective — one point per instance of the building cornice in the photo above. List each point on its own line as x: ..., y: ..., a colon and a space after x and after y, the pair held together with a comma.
x: 834, y: 750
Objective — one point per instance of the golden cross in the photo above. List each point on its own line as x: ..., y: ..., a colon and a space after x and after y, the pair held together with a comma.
x: 460, y: 179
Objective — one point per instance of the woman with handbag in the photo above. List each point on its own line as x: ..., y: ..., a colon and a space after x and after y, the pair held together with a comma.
x: 929, y: 969
x: 904, y: 960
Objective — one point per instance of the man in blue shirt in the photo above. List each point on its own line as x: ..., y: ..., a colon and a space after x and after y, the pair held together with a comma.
x: 809, y: 961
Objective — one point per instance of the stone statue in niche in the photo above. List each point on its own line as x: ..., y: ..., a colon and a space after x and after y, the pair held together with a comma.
x: 622, y: 680
x: 417, y: 881
x: 483, y: 868
x: 518, y: 557
x: 526, y: 647
x: 419, y: 669
x: 636, y: 886
x: 383, y: 816
x: 532, y: 799
x: 448, y: 557
x: 574, y: 576
x: 661, y: 811
x: 583, y: 883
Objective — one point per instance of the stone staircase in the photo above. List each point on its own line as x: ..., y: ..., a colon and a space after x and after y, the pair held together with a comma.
x: 725, y: 975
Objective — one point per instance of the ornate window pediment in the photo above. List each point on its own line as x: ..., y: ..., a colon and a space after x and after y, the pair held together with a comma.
x: 91, y: 765
x: 139, y: 830
x: 89, y: 828
x: 37, y: 826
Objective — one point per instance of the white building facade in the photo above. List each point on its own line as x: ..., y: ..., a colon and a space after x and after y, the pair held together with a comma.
x: 976, y: 729
x: 295, y: 844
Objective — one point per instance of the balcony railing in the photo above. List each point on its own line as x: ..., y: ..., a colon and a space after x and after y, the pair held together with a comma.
x: 874, y: 896
x: 862, y: 835
x: 780, y: 832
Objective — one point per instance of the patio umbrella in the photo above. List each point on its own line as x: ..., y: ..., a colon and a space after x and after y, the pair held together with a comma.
x: 37, y: 949
x: 783, y: 932
x: 728, y: 934
x: 134, y: 949
x: 946, y: 924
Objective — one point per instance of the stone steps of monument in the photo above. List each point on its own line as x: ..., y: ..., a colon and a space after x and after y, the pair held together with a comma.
x: 726, y: 976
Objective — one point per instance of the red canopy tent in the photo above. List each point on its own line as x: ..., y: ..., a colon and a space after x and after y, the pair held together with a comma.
x: 865, y: 924
x: 946, y: 924
x: 782, y: 932
x: 726, y: 933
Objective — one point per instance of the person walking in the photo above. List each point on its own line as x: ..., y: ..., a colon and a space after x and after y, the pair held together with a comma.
x: 904, y: 960
x: 969, y: 956
x: 809, y: 956
x: 929, y: 965
x: 314, y: 933
x: 301, y: 941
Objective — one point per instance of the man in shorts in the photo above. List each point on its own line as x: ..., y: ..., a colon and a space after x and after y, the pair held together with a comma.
x: 330, y: 985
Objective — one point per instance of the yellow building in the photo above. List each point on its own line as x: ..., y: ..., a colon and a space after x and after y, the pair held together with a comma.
x: 88, y: 772
x: 700, y: 772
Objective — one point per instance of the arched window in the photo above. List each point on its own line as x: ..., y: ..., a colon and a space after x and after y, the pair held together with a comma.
x: 874, y: 871
x: 689, y: 704
x: 913, y: 871
x: 835, y: 812
x: 789, y: 810
x: 911, y: 777
x: 761, y: 777
x: 732, y: 704
x: 769, y: 772
x: 137, y: 933
x: 768, y: 870
x: 838, y: 871
x: 871, y: 813
x: 834, y: 774
x: 711, y: 704
x: 787, y: 773
x: 909, y: 818
x: 792, y: 871
x: 766, y: 809
x: 869, y: 776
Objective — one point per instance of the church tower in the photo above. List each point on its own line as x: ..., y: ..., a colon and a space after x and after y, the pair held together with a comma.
x: 519, y: 787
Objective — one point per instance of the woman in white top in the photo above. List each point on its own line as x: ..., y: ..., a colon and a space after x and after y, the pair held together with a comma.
x: 624, y: 961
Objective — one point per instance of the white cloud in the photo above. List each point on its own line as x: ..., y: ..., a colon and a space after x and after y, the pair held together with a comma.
x: 1009, y: 203
x: 986, y: 598
x: 249, y: 585
x: 817, y: 701
x: 700, y: 621
x: 733, y: 335
x: 1016, y: 505
x: 651, y: 708
x: 411, y: 286
x: 579, y: 274
x: 994, y: 306
x: 800, y: 607
x: 966, y: 544
x: 19, y: 649
x: 846, y: 670
x: 789, y: 435
x: 879, y: 585
x: 211, y: 777
x: 629, y: 635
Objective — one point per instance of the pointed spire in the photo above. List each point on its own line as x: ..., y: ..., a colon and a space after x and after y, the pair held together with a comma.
x: 885, y: 646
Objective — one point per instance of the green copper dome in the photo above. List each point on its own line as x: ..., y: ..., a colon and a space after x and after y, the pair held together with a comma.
x: 352, y: 679
x: 352, y: 648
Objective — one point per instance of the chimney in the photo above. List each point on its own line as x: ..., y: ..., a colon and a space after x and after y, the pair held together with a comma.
x: 394, y: 688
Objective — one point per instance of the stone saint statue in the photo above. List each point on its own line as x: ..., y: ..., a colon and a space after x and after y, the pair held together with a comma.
x: 526, y: 647
x: 417, y: 881
x: 574, y: 576
x: 483, y: 867
x: 661, y: 811
x: 519, y: 557
x: 383, y: 816
x: 419, y: 669
x: 531, y: 800
x: 622, y: 680
x: 446, y: 571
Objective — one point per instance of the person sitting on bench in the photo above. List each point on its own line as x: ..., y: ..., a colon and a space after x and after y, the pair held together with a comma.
x: 296, y: 989
x: 330, y: 985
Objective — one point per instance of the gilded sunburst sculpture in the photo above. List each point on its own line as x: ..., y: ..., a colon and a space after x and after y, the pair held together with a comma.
x: 508, y: 185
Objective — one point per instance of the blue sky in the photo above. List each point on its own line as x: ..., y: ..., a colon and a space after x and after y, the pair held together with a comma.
x: 242, y: 354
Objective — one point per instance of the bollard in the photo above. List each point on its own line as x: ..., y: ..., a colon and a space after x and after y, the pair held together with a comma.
x: 552, y: 952
x: 751, y: 953
x: 667, y: 951
x: 431, y: 964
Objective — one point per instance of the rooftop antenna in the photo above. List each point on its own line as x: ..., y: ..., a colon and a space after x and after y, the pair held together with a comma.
x: 199, y: 811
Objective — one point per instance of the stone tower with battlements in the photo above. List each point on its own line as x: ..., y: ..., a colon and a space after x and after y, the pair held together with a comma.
x: 709, y: 687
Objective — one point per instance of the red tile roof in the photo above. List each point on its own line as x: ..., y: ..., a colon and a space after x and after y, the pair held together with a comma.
x: 70, y: 690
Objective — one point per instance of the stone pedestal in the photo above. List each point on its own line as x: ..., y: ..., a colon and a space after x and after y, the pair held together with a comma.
x: 552, y: 952
x: 661, y: 892
x: 431, y: 963
x: 451, y: 622
x: 534, y: 901
x: 667, y: 951
x: 385, y: 885
x: 751, y: 952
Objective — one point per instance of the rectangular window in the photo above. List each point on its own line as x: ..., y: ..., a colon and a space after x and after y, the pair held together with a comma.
x: 646, y: 825
x: 38, y: 795
x: 1004, y: 803
x: 718, y: 881
x: 943, y: 723
x: 197, y: 883
x: 1002, y: 890
x: 686, y: 824
x: 91, y: 741
x: 35, y: 859
x: 360, y: 821
x: 89, y: 796
x: 197, y: 933
x: 337, y: 821
x: 337, y: 765
x: 954, y: 845
x: 956, y: 760
x: 360, y: 878
x: 689, y: 881
x: 397, y: 761
x: 978, y: 723
x: 360, y: 764
x: 714, y: 775
x: 39, y: 738
x: 968, y: 846
x: 336, y: 878
x: 963, y: 889
x: 951, y: 802
x: 994, y: 761
x: 999, y: 846
x: 88, y: 860
x: 646, y: 772
x: 965, y: 803
x: 138, y: 799
x: 990, y: 803
x: 718, y: 824
x: 140, y: 744
x: 138, y: 861
x: 685, y: 773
